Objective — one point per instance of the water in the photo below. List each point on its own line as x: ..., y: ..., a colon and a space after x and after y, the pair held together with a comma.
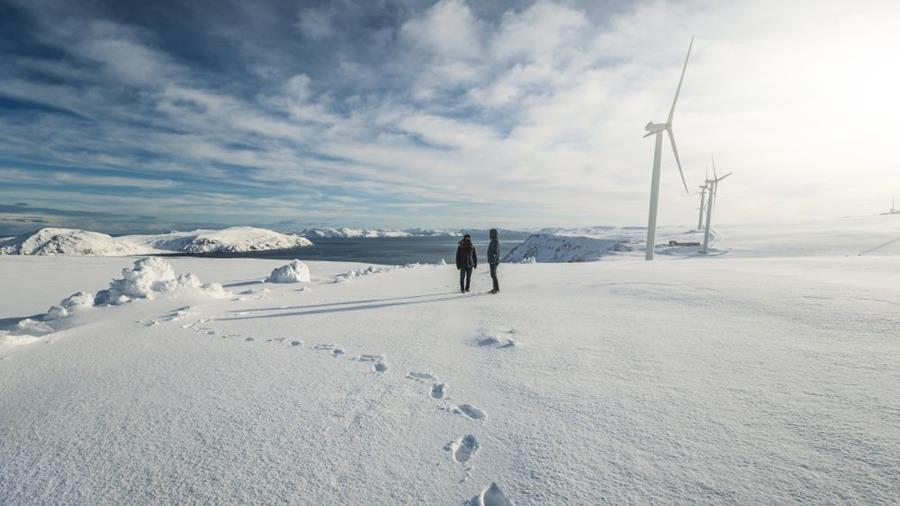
x: 386, y: 250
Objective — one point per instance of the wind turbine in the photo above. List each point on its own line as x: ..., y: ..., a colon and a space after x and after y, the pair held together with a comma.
x: 713, y: 190
x: 703, y: 189
x: 657, y: 129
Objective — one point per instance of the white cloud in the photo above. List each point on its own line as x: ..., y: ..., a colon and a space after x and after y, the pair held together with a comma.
x: 541, y: 109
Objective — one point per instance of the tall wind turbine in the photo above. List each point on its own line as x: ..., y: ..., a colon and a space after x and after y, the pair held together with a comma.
x: 657, y: 129
x: 703, y: 189
x: 713, y: 190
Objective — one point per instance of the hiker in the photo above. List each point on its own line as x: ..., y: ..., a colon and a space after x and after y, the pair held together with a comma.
x: 494, y: 259
x: 466, y: 260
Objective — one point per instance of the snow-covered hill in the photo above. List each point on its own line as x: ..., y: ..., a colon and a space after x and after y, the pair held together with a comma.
x: 595, y: 243
x: 229, y: 240
x: 65, y: 241
x: 351, y: 233
x: 370, y: 233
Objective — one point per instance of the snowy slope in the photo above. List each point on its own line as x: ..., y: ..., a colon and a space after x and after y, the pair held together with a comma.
x: 704, y: 381
x: 369, y: 233
x: 229, y: 240
x: 61, y: 241
x: 597, y: 243
x: 348, y: 233
x: 65, y: 241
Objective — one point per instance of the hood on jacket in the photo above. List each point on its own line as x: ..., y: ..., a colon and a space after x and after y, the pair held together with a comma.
x: 493, y: 234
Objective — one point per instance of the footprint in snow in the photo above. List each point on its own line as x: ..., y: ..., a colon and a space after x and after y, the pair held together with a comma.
x: 490, y: 496
x: 438, y: 390
x: 420, y: 376
x: 324, y: 347
x: 337, y: 352
x: 463, y: 449
x: 296, y: 343
x: 379, y: 364
x: 492, y: 341
x: 471, y: 411
x: 249, y: 339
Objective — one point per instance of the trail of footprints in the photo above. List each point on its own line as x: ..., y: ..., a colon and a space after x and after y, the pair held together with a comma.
x: 462, y: 450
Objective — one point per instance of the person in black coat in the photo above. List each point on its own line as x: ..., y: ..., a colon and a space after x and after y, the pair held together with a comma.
x: 466, y: 260
x: 494, y: 259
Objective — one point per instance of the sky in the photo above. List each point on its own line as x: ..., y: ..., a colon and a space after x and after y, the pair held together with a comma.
x: 148, y: 116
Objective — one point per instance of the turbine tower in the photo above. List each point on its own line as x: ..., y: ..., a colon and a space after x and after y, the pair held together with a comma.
x: 703, y: 189
x: 657, y: 129
x: 713, y: 190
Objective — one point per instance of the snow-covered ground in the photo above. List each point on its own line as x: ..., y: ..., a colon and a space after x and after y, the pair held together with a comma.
x: 720, y: 380
x: 66, y: 241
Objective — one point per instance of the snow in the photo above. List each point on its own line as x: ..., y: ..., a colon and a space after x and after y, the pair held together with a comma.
x: 348, y: 233
x: 598, y: 243
x: 871, y: 235
x: 61, y: 241
x: 294, y: 272
x: 64, y: 241
x: 370, y: 233
x: 731, y: 379
x: 149, y: 277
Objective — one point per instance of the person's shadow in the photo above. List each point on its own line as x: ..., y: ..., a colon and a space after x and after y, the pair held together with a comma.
x: 353, y: 305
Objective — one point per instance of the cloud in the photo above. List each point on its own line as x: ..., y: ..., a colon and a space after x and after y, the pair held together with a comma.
x: 315, y: 24
x: 512, y: 114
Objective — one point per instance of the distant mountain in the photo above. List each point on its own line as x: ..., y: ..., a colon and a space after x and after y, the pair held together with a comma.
x: 228, y: 240
x: 66, y: 241
x: 368, y: 233
x: 594, y: 243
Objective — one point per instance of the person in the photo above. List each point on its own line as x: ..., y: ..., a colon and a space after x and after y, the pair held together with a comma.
x: 466, y: 260
x: 494, y: 259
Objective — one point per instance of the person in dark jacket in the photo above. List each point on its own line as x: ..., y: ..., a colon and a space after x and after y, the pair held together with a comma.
x: 494, y: 259
x: 466, y: 260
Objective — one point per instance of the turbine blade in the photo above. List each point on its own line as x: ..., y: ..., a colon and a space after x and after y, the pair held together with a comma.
x: 680, y: 80
x: 677, y: 160
x: 714, y: 168
x: 723, y: 177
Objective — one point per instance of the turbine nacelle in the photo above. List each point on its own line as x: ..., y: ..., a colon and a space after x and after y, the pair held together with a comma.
x: 655, y: 128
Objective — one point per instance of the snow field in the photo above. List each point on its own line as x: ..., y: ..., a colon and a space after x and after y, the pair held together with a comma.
x: 706, y: 382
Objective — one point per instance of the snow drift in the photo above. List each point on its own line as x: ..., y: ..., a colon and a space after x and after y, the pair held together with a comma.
x: 294, y: 272
x: 148, y: 277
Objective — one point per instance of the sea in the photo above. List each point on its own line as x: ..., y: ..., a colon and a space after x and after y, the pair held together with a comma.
x: 386, y: 250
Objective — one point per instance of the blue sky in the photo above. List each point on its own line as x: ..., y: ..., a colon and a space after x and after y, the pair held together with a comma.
x: 144, y: 116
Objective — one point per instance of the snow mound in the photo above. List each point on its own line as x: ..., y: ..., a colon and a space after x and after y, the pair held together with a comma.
x: 148, y: 277
x: 362, y: 271
x: 67, y: 241
x: 294, y: 272
x: 71, y: 304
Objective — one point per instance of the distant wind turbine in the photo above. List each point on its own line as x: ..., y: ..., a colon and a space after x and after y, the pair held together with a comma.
x: 703, y: 189
x: 657, y: 129
x: 713, y: 190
